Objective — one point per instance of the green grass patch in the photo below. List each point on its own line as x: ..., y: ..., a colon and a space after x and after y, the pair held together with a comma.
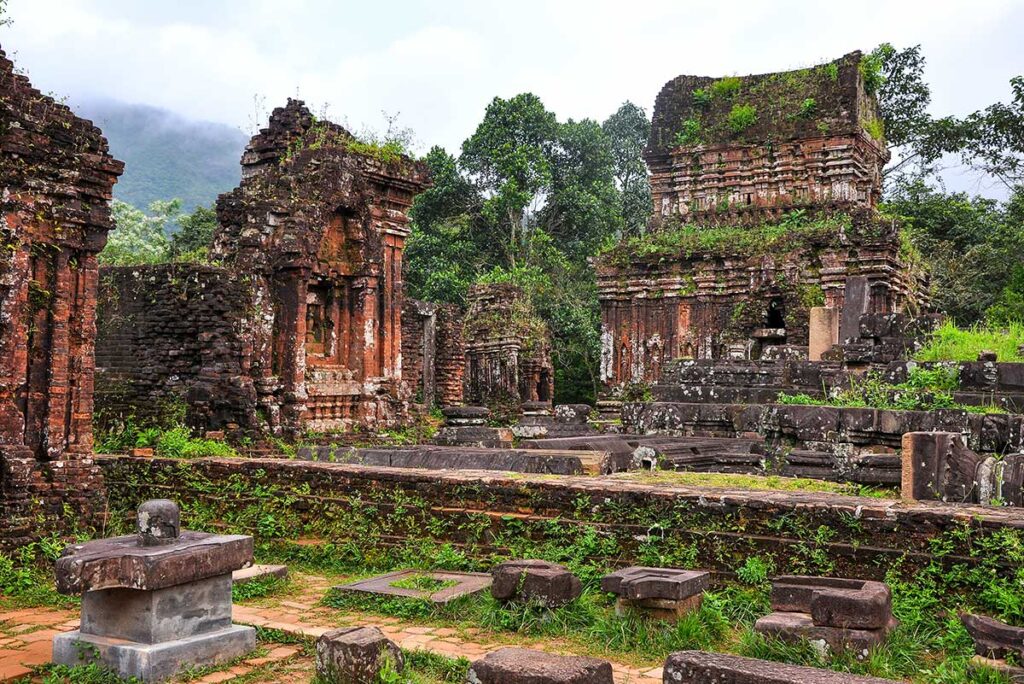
x: 950, y: 343
x: 260, y: 587
x: 753, y: 482
x: 926, y: 389
x: 423, y: 582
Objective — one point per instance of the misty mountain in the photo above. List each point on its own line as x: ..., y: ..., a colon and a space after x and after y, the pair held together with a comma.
x: 166, y: 155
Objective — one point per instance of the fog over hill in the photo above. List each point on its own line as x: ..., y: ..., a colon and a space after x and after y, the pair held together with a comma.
x: 165, y: 154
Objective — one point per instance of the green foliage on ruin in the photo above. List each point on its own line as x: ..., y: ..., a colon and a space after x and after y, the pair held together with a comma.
x: 926, y: 389
x: 741, y: 117
x: 683, y: 240
x: 725, y: 87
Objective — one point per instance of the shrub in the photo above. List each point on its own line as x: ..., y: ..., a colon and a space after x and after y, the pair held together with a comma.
x: 726, y: 87
x: 701, y: 98
x: 742, y: 117
x: 950, y: 343
x: 690, y: 133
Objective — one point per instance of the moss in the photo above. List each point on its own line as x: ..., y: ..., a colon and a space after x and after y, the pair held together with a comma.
x: 687, y: 240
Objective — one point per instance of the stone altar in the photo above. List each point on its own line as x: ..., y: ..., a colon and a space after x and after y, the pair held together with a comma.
x: 156, y: 602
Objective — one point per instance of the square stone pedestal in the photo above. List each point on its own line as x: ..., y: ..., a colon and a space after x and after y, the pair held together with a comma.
x: 154, y: 662
x: 154, y: 634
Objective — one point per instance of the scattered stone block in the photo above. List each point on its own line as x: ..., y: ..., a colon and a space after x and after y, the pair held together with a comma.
x: 573, y: 413
x: 843, y: 613
x: 994, y: 640
x: 355, y: 655
x: 466, y: 415
x: 663, y: 593
x: 524, y: 666
x: 700, y: 667
x: 155, y: 603
x: 257, y: 572
x: 938, y: 466
x: 434, y: 586
x: 535, y: 581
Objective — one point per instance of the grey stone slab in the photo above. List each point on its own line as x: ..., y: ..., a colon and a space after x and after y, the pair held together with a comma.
x: 255, y: 572
x: 700, y: 667
x: 150, y: 617
x: 154, y: 662
x: 123, y: 562
x: 466, y: 583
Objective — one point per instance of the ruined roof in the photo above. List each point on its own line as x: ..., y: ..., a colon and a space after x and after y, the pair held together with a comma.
x: 828, y: 99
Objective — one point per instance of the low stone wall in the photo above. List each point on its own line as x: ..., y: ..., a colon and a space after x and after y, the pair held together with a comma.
x: 610, y: 521
x: 825, y: 425
x: 761, y: 382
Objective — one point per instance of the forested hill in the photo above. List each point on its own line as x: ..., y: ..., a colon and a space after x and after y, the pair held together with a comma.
x: 166, y: 155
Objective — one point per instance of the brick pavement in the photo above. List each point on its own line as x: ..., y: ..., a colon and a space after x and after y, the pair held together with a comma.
x: 26, y: 635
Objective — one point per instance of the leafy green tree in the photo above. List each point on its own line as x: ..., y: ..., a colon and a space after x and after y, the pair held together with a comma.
x: 996, y: 140
x: 509, y: 156
x: 972, y: 246
x: 195, y: 233
x: 628, y: 130
x: 583, y: 206
x: 139, y: 238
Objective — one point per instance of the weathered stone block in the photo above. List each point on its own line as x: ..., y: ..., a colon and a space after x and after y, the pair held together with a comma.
x: 523, y: 666
x: 994, y: 639
x: 535, y: 581
x: 355, y: 655
x: 637, y: 583
x: 699, y: 667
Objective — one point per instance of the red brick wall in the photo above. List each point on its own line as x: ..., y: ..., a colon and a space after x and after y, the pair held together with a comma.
x: 56, y: 180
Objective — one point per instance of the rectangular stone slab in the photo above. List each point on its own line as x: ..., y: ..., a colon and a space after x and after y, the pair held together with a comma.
x: 154, y: 662
x: 793, y: 627
x: 468, y: 583
x: 122, y: 562
x: 150, y: 617
x: 699, y: 667
x: 638, y: 583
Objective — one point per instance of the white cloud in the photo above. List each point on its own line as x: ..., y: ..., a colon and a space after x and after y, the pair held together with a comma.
x: 439, y: 63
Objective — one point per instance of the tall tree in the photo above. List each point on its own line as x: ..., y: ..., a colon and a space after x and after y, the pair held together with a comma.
x: 628, y: 130
x: 509, y: 157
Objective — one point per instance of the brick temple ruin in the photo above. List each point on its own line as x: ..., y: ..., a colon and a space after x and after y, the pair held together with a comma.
x: 300, y: 325
x: 809, y: 144
x: 57, y: 177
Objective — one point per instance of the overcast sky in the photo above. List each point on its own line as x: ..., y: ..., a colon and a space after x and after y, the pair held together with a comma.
x: 439, y: 62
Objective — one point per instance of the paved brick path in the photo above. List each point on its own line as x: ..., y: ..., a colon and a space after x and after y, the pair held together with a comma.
x: 26, y: 635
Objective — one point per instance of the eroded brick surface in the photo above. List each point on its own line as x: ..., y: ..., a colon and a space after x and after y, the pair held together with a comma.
x: 57, y: 178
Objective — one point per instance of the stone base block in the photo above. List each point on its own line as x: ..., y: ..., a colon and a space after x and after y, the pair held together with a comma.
x: 523, y: 666
x: 154, y: 662
x: 795, y: 626
x: 661, y: 609
x: 699, y: 667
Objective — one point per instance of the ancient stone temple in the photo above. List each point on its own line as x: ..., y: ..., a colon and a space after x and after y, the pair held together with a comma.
x: 299, y: 326
x: 56, y: 178
x: 508, y: 348
x: 764, y: 191
x: 433, y: 361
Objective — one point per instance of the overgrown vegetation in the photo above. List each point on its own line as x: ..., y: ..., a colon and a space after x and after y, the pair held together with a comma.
x: 926, y: 389
x: 683, y: 241
x: 951, y: 343
x: 752, y: 482
x: 165, y: 433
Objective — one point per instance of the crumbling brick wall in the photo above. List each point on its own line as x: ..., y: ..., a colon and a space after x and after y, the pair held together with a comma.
x: 56, y: 176
x: 176, y: 339
x: 306, y: 308
x: 419, y: 350
x: 508, y: 348
x: 791, y: 164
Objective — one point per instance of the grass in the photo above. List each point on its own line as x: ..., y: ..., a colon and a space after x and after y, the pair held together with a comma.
x: 260, y: 587
x: 793, y: 232
x: 926, y: 389
x: 950, y: 343
x: 752, y: 482
x: 423, y: 582
x: 174, y: 441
